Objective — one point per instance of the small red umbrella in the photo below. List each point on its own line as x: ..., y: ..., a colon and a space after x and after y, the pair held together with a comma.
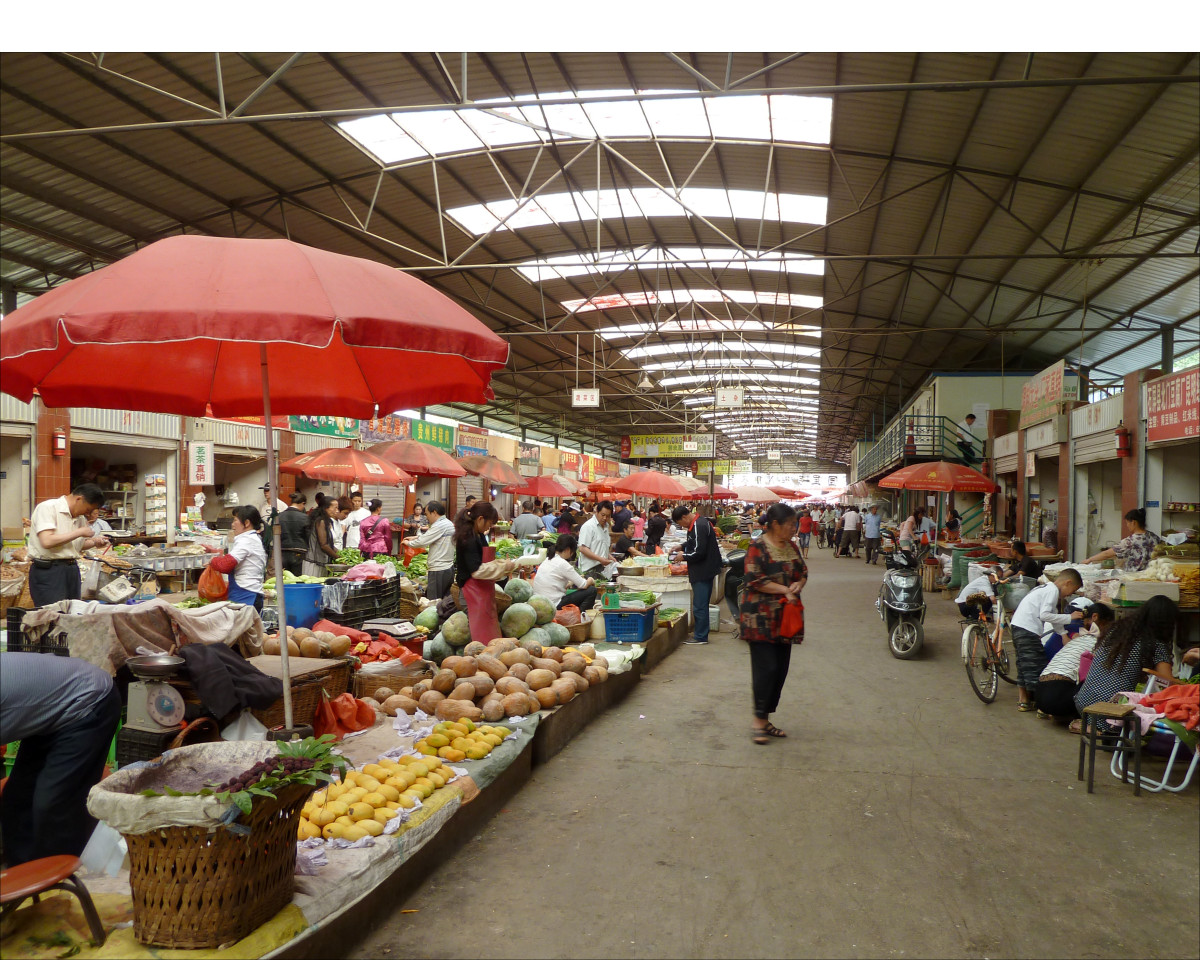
x: 419, y: 459
x: 939, y: 475
x: 651, y: 483
x: 497, y: 471
x: 347, y: 465
x: 541, y: 486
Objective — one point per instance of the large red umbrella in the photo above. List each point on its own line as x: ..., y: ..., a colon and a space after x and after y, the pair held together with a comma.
x: 540, y: 486
x: 419, y: 459
x: 717, y: 493
x: 347, y: 465
x: 603, y: 485
x: 787, y: 493
x: 252, y: 328
x: 497, y: 471
x: 939, y: 475
x: 753, y: 494
x: 651, y: 483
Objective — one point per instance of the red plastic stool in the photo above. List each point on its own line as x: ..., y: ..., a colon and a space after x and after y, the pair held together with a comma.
x: 36, y: 877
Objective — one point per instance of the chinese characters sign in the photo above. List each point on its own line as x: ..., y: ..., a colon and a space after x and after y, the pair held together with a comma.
x: 1173, y: 406
x: 586, y: 397
x: 529, y: 455
x: 345, y: 427
x: 667, y: 445
x: 1043, y: 394
x: 200, y: 463
x: 392, y: 427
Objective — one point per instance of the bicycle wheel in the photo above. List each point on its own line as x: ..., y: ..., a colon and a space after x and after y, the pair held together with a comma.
x: 1006, y: 660
x: 981, y: 665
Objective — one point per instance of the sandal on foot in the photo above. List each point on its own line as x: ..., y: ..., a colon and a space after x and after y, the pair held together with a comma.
x: 773, y: 731
x: 1026, y: 707
x: 1076, y: 726
x: 760, y: 736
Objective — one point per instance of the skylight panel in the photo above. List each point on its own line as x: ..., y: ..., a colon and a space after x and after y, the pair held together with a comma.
x: 801, y: 119
x: 642, y: 298
x: 772, y: 377
x: 439, y: 131
x: 618, y: 118
x: 677, y: 118
x: 384, y: 138
x: 727, y: 363
x: 495, y: 130
x: 719, y: 346
x: 694, y: 258
x: 563, y: 119
x: 739, y: 118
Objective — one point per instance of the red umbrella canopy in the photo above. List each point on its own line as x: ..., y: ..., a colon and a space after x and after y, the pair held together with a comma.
x: 651, y: 483
x: 718, y: 493
x: 541, y: 486
x: 419, y: 459
x: 786, y: 492
x: 755, y: 494
x: 346, y: 465
x: 940, y: 476
x: 497, y: 471
x: 180, y: 324
x: 603, y: 485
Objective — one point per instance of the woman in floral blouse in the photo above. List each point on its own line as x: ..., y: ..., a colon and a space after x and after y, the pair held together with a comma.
x: 775, y: 573
x: 1137, y: 549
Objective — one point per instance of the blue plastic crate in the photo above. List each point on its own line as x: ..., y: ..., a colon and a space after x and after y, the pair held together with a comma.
x: 629, y: 626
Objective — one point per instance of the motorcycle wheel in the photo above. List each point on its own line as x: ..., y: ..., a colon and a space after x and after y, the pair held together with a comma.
x: 905, y: 638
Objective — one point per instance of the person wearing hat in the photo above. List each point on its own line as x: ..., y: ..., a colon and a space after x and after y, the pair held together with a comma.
x: 623, y: 514
x: 266, y: 509
x: 566, y: 519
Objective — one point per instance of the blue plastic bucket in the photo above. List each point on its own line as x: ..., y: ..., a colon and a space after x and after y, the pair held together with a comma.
x: 303, y: 602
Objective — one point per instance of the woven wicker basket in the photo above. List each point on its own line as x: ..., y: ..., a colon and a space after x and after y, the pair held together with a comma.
x: 306, y: 695
x: 580, y: 633
x: 192, y: 888
x: 365, y: 684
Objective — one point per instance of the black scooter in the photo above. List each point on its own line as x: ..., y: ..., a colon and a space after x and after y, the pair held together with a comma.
x: 901, y: 603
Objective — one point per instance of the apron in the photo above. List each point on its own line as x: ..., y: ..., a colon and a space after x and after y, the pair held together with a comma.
x: 242, y: 595
x: 480, y: 597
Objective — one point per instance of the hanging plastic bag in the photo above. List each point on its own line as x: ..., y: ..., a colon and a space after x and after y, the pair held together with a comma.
x: 212, y: 585
x: 793, y: 619
x: 569, y: 616
x: 342, y: 715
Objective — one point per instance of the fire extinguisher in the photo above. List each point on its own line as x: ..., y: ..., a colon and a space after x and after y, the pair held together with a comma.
x: 1124, y: 440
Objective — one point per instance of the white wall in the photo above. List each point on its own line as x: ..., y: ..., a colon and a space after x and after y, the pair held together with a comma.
x: 148, y: 460
x: 16, y: 488
x: 1171, y: 475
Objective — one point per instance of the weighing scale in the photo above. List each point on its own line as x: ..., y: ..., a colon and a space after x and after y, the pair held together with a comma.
x: 154, y: 705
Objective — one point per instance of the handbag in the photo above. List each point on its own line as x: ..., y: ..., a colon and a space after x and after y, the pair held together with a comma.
x: 792, y: 621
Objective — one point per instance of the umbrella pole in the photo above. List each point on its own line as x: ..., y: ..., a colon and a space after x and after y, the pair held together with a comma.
x: 280, y: 603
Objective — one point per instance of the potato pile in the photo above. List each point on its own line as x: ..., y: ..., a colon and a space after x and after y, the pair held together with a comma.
x: 461, y: 740
x: 367, y: 799
x: 302, y: 642
x: 504, y: 679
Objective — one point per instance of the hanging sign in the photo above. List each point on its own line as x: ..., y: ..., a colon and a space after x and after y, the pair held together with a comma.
x: 1031, y: 464
x: 345, y: 427
x: 1173, y: 406
x: 1044, y: 394
x: 200, y: 463
x: 731, y: 396
x: 529, y: 455
x: 586, y: 397
x: 668, y: 445
x: 690, y: 446
x: 773, y: 455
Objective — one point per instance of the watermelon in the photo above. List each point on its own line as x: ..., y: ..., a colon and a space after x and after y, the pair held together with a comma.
x: 543, y: 608
x: 518, y: 620
x: 457, y: 630
x: 536, y: 635
x: 436, y: 649
x: 559, y: 635
x: 519, y: 590
x: 427, y: 618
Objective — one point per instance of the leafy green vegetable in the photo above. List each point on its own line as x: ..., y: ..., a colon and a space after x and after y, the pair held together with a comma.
x: 350, y: 555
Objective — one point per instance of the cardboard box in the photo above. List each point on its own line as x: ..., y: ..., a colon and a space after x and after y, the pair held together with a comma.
x: 1139, y: 591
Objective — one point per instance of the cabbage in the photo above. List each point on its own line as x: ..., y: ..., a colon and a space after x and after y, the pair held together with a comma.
x: 518, y: 620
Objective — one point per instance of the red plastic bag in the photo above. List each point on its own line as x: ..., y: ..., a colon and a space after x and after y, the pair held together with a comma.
x: 356, y: 636
x: 212, y: 585
x: 792, y: 622
x: 408, y: 552
x: 569, y: 616
x: 342, y: 715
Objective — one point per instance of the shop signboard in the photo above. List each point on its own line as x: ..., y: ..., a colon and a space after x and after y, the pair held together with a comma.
x: 726, y: 467
x: 279, y: 423
x: 343, y: 427
x: 1031, y: 464
x: 471, y: 441
x: 1044, y: 394
x: 385, y: 429
x: 731, y: 396
x: 1173, y: 406
x: 200, y: 463
x: 568, y: 463
x: 670, y: 445
x: 587, y: 468
x: 586, y: 397
x: 529, y: 455
x: 435, y: 434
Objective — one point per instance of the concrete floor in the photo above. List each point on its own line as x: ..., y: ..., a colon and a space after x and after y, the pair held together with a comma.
x: 902, y: 817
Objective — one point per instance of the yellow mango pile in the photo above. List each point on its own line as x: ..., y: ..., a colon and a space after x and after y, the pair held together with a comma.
x: 367, y: 799
x: 458, y: 740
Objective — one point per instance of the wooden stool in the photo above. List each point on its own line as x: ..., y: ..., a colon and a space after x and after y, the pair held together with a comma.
x: 36, y: 877
x: 1129, y: 739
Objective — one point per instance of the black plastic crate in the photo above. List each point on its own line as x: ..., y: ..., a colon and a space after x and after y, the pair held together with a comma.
x: 15, y: 641
x: 134, y: 745
x: 373, y: 599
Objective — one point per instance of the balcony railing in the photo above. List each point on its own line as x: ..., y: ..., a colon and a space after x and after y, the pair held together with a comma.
x: 911, y: 439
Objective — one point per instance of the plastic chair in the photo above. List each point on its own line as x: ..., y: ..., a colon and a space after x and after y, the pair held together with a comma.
x: 32, y: 879
x: 1118, y: 767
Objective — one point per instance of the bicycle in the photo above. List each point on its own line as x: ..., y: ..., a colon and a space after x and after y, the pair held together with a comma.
x: 989, y: 654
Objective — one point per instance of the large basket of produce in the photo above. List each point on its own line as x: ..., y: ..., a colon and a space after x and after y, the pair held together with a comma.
x: 333, y: 679
x: 212, y: 854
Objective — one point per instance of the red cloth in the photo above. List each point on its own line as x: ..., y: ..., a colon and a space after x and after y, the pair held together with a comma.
x: 1179, y: 702
x: 224, y: 564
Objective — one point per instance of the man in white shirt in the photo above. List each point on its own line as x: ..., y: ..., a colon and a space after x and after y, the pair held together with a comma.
x: 851, y: 528
x: 354, y: 518
x: 269, y: 503
x: 438, y: 542
x: 595, y: 540
x: 1038, y: 614
x: 555, y: 575
x: 59, y: 532
x: 967, y: 441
